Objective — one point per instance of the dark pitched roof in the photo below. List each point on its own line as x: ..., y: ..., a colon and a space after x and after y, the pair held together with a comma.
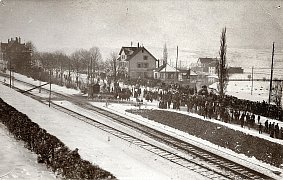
x: 207, y: 60
x: 3, y: 45
x: 192, y: 73
x: 11, y: 44
x: 132, y: 51
x: 128, y: 50
x: 235, y: 68
x: 212, y: 64
x: 160, y: 68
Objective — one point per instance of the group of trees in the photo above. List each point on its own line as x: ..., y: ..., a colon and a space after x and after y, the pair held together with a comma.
x: 82, y: 61
x: 90, y: 62
x: 79, y: 62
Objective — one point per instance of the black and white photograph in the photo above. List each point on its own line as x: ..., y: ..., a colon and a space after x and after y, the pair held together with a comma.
x: 141, y: 89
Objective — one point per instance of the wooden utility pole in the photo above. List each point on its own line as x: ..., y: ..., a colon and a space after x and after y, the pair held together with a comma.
x: 69, y: 78
x: 177, y: 65
x: 91, y: 71
x: 165, y: 72
x: 10, y: 73
x: 49, y: 88
x: 61, y: 72
x: 189, y: 76
x: 252, y: 80
x: 271, y: 75
x: 39, y: 89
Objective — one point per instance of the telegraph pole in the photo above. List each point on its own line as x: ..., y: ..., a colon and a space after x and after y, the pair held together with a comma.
x: 49, y: 88
x: 177, y: 65
x: 10, y: 73
x: 39, y: 89
x: 271, y: 75
x: 69, y: 78
x: 189, y: 76
x: 252, y: 80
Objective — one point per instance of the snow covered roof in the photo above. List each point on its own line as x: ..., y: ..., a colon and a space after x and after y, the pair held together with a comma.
x: 193, y: 73
x: 166, y: 68
x: 207, y: 60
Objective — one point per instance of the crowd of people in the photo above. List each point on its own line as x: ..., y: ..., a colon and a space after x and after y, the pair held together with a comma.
x: 49, y: 149
x: 228, y: 108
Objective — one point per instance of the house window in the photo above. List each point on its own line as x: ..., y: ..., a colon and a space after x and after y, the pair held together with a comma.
x: 140, y: 74
x: 145, y: 65
x: 123, y: 56
x: 139, y: 65
x: 145, y: 57
x: 145, y: 74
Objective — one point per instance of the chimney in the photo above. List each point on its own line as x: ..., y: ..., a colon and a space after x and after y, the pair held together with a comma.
x: 138, y: 45
x: 131, y: 43
x: 8, y: 40
x: 16, y: 39
x: 19, y: 40
x: 158, y: 63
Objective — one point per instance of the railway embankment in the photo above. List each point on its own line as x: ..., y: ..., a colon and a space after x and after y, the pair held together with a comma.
x: 49, y: 149
x: 239, y: 142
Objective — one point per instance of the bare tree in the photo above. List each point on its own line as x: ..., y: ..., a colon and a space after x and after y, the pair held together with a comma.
x: 222, y: 68
x: 79, y: 60
x: 113, y: 65
x: 46, y: 60
x: 61, y: 64
x: 28, y: 66
x: 165, y: 54
x: 95, y: 61
x: 277, y: 92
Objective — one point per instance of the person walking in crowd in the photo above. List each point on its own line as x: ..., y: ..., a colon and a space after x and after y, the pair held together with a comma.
x: 227, y: 109
x: 281, y: 133
x: 248, y: 120
x: 276, y: 131
x: 260, y: 128
x: 272, y: 129
x: 266, y: 126
x: 242, y: 119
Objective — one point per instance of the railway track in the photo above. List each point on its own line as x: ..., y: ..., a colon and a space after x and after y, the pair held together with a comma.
x: 199, y: 160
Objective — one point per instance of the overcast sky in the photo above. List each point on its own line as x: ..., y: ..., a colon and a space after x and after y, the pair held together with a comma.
x: 69, y: 25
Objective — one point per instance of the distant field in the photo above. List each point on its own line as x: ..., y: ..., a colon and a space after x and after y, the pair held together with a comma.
x: 242, y: 90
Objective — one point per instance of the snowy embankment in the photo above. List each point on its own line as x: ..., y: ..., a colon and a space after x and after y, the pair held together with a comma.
x: 16, y: 162
x: 134, y: 172
x: 121, y: 158
x: 227, y: 153
x: 49, y: 149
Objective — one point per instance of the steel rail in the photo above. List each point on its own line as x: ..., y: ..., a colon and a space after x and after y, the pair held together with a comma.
x: 215, y: 164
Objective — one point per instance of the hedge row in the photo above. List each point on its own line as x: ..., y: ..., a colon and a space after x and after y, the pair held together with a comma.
x: 49, y: 149
x: 223, y: 136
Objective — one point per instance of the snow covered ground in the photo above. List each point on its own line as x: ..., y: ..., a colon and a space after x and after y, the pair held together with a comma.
x: 16, y: 162
x: 256, y: 91
x: 123, y: 159
x: 242, y: 90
